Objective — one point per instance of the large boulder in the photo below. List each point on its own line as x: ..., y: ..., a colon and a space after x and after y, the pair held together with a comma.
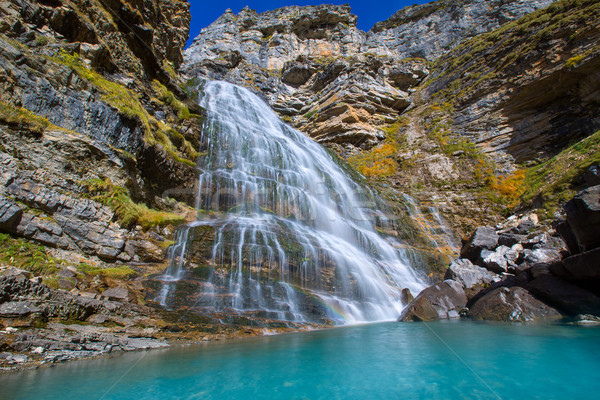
x: 583, y: 266
x: 442, y: 301
x: 468, y: 275
x: 485, y: 237
x: 568, y: 298
x: 511, y: 304
x: 583, y: 215
x: 495, y: 261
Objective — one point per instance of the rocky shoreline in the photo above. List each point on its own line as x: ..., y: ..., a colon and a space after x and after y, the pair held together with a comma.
x: 523, y: 271
x: 45, y: 326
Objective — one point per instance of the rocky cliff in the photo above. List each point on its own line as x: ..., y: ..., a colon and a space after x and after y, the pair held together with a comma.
x: 99, y: 139
x: 454, y: 118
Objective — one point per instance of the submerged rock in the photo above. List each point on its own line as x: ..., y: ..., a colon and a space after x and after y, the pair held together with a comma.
x: 513, y: 304
x: 442, y: 301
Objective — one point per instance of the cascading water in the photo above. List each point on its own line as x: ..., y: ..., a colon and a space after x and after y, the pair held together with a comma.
x: 292, y: 236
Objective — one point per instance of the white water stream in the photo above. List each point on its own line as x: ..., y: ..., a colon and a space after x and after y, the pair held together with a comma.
x: 289, y: 223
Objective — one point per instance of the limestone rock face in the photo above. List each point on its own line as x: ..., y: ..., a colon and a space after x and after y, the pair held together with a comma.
x: 271, y: 39
x: 334, y: 82
x: 442, y: 301
x: 526, y: 94
x: 430, y: 30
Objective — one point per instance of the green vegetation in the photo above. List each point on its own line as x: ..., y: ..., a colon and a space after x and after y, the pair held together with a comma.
x: 311, y: 114
x: 376, y: 163
x: 128, y: 103
x: 469, y: 68
x: 553, y: 182
x: 22, y: 118
x: 191, y: 87
x: 122, y: 273
x: 126, y: 211
x: 25, y: 255
x: 168, y: 98
x: 112, y: 273
x: 125, y: 100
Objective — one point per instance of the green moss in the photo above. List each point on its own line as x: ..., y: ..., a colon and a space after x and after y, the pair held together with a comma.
x: 168, y: 66
x: 128, y: 103
x: 191, y: 87
x: 88, y: 269
x: 51, y: 282
x: 25, y: 255
x: 118, y: 273
x: 125, y: 100
x: 22, y: 118
x: 311, y: 114
x: 167, y: 97
x: 127, y: 212
x: 112, y: 272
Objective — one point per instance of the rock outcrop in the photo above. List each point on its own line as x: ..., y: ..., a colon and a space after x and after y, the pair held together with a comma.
x: 539, y: 278
x: 442, y: 301
x: 511, y: 304
x: 334, y: 82
x: 430, y: 30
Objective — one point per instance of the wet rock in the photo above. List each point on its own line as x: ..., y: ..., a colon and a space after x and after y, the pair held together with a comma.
x: 583, y: 215
x: 484, y: 237
x: 467, y: 274
x: 565, y: 296
x: 442, y: 301
x: 406, y: 296
x: 513, y: 304
x: 586, y: 320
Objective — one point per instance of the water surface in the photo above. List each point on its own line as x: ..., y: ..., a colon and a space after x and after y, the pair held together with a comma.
x: 443, y: 360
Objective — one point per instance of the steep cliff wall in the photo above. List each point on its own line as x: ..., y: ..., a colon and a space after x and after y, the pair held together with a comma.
x: 93, y: 120
x: 305, y: 60
x: 448, y: 101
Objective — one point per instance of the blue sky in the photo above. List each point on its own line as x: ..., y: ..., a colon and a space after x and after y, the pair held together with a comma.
x: 368, y: 11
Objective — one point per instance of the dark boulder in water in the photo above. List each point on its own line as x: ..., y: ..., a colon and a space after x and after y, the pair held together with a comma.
x: 511, y: 304
x: 442, y: 301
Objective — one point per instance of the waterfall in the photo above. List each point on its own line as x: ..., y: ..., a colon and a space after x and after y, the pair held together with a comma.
x: 291, y: 236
